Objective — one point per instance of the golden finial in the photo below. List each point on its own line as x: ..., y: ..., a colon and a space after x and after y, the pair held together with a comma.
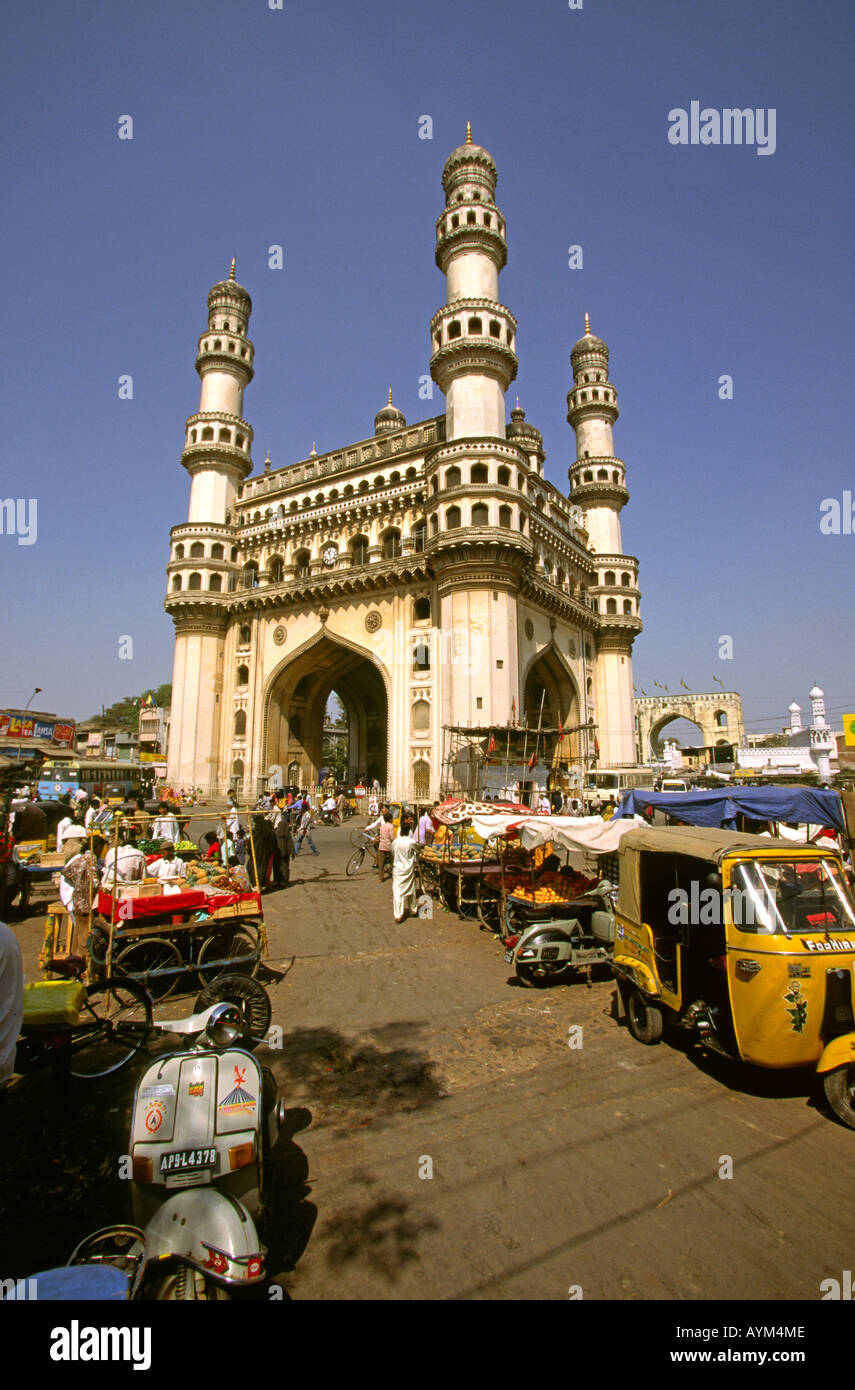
x: 267, y: 462
x: 232, y: 271
x: 314, y: 453
x: 390, y: 395
x: 468, y: 133
x: 587, y: 326
x: 518, y: 402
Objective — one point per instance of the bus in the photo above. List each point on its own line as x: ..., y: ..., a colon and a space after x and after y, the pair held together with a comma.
x: 113, y: 781
x: 613, y: 781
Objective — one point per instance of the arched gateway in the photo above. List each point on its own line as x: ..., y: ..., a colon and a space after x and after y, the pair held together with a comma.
x: 294, y: 704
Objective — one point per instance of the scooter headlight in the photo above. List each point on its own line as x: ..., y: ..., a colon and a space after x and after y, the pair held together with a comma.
x: 225, y: 1025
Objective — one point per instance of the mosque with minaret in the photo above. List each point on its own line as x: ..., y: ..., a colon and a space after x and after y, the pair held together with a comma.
x: 429, y: 574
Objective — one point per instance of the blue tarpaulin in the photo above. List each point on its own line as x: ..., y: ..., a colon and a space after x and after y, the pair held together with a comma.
x: 800, y: 805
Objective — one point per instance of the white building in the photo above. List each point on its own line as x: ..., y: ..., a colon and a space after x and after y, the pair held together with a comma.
x: 807, y: 750
x: 428, y: 573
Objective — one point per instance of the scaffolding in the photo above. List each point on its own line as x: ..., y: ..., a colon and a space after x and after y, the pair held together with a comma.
x: 515, y: 761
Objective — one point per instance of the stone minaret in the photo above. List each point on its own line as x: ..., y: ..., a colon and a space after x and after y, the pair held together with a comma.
x: 477, y: 507
x: 203, y: 553
x: 474, y: 335
x: 822, y: 741
x: 598, y: 486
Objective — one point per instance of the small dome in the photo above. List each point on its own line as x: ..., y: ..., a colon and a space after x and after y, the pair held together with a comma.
x: 389, y: 418
x: 519, y: 428
x: 816, y: 693
x: 468, y: 157
x: 794, y: 708
x: 589, y: 345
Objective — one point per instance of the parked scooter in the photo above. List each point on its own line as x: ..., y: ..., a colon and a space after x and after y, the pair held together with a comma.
x: 203, y: 1118
x: 548, y: 950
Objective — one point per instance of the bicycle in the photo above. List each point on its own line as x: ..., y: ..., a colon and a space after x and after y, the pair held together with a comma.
x: 365, y: 843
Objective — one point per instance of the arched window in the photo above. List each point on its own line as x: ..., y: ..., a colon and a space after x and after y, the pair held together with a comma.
x: 721, y: 720
x: 237, y: 770
x: 421, y: 780
x: 625, y: 580
x: 434, y: 484
x: 475, y: 325
x: 452, y: 518
x: 395, y: 477
x: 194, y: 582
x: 240, y: 723
x: 179, y: 552
x: 611, y: 605
x: 217, y: 552
x: 176, y: 582
x: 419, y: 535
x: 244, y: 637
x: 421, y: 652
x: 196, y: 550
x: 207, y: 432
x: 480, y: 514
x: 421, y: 610
x: 277, y: 569
x: 391, y: 544
x: 504, y: 477
x: 243, y: 675
x: 359, y: 550
x: 302, y: 560
x: 453, y: 477
x: 454, y: 329
x: 234, y: 553
x: 539, y: 503
x: 249, y: 575
x: 480, y: 473
x: 421, y: 717
x: 505, y: 516
x: 434, y: 524
x: 215, y: 583
x: 611, y: 577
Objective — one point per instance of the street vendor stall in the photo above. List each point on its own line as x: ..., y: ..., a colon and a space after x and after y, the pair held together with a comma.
x: 451, y: 867
x: 163, y: 932
x: 542, y: 868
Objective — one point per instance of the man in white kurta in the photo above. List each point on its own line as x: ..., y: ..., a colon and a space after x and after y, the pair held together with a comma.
x: 404, y: 895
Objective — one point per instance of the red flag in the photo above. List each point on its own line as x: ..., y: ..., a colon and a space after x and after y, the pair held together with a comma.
x: 560, y: 729
x: 491, y: 745
x: 514, y: 710
x: 596, y: 746
x: 532, y: 760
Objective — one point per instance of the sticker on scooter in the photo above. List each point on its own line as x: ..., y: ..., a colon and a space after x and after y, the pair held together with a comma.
x: 196, y: 1088
x: 154, y: 1113
x: 166, y: 1089
x: 798, y: 1012
x: 238, y: 1099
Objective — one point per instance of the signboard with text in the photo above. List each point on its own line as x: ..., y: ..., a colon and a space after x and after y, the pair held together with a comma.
x: 51, y: 731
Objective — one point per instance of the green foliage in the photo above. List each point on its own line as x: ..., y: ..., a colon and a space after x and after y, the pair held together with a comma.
x: 126, y: 713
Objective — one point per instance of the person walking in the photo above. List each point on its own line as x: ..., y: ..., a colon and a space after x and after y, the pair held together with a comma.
x: 404, y: 894
x: 424, y: 830
x: 304, y: 831
x: 165, y: 827
x: 386, y: 836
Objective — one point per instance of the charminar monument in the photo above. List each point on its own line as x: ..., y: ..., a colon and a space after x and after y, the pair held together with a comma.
x: 428, y: 573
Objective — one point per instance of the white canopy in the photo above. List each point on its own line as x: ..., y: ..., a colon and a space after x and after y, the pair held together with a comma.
x: 589, y: 834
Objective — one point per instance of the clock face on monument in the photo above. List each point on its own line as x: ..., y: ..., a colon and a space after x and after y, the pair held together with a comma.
x: 330, y: 555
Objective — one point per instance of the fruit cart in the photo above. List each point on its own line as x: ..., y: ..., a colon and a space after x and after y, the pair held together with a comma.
x: 464, y: 852
x: 168, y: 936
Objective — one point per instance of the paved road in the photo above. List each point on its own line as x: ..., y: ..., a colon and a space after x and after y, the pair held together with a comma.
x: 409, y: 1050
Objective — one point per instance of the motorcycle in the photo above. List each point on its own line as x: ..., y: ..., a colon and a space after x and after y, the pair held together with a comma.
x: 557, y: 947
x: 203, y: 1119
x: 329, y: 817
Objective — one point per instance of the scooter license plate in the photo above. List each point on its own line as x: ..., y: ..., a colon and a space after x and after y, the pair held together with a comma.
x: 184, y: 1160
x: 509, y: 955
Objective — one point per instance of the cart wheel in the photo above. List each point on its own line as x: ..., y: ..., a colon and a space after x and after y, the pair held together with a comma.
x: 115, y: 1023
x: 251, y: 998
x: 645, y: 1021
x: 839, y: 1087
x: 141, y: 958
x: 354, y: 863
x: 226, y: 948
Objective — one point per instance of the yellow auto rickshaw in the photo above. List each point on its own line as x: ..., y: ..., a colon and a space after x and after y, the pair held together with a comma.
x: 745, y: 940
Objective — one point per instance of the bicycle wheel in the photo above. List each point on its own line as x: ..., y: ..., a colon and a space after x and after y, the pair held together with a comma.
x: 142, y: 958
x: 227, y: 948
x: 115, y: 1023
x: 354, y: 863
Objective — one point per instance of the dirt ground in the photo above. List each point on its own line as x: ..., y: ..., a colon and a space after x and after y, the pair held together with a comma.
x: 444, y: 1141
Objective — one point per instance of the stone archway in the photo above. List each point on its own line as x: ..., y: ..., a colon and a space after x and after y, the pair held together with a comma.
x: 296, y: 700
x: 718, y: 715
x: 551, y: 697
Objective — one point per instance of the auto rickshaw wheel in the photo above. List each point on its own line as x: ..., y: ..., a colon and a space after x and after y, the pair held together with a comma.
x: 645, y: 1021
x: 839, y: 1087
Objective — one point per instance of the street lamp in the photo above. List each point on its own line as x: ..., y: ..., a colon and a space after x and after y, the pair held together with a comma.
x: 37, y: 691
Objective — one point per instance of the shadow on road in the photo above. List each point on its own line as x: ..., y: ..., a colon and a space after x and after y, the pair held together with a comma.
x: 382, y: 1235
x: 353, y: 1082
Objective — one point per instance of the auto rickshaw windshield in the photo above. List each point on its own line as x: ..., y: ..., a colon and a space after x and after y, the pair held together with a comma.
x: 787, y: 896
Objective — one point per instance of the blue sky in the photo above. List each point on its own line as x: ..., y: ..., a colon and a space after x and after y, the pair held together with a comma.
x: 299, y: 127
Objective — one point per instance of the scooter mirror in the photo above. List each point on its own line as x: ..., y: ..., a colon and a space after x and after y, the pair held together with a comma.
x: 225, y: 1024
